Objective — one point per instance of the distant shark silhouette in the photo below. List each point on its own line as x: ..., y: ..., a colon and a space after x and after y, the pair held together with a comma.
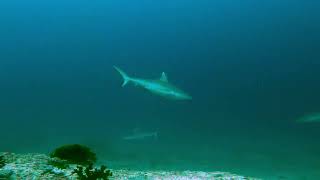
x: 141, y: 135
x: 309, y: 118
x: 159, y: 87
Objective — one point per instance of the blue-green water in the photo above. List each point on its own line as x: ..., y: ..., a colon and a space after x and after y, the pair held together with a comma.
x: 252, y: 68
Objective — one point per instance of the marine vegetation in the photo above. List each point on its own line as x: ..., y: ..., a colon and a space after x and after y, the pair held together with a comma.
x: 75, y: 154
x: 58, y: 163
x: 2, y: 161
x: 90, y: 173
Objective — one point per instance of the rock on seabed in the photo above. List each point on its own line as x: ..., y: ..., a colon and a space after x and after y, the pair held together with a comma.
x: 36, y: 167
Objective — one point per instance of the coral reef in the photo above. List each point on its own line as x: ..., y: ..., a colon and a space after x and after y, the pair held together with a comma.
x: 2, y: 161
x: 58, y: 163
x: 75, y: 154
x: 5, y: 174
x: 62, y: 157
x: 31, y: 166
x: 90, y: 173
x: 35, y: 166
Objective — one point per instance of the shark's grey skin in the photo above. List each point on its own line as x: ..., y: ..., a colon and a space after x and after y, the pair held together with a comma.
x: 314, y: 117
x: 159, y: 87
x: 140, y: 136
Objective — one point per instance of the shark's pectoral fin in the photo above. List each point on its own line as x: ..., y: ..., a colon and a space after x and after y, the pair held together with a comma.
x: 163, y: 77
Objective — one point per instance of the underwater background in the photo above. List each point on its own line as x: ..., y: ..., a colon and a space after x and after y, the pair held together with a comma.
x: 252, y: 68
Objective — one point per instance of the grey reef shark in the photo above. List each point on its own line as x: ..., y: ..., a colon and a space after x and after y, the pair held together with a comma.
x: 159, y: 86
x: 309, y: 118
x: 141, y: 136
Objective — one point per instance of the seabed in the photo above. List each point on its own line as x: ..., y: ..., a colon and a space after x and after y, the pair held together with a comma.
x: 36, y: 167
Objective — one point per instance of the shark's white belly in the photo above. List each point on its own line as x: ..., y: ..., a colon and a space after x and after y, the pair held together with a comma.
x: 162, y: 89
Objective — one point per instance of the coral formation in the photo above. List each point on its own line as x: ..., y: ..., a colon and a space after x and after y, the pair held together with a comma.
x: 75, y: 154
x: 2, y: 161
x: 58, y: 163
x: 90, y: 173
x: 35, y: 166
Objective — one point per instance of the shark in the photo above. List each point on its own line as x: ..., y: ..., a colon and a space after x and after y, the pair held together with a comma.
x: 160, y: 86
x: 141, y: 136
x: 309, y: 118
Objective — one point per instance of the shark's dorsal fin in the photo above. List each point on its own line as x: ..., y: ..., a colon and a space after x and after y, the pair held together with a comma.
x: 163, y: 77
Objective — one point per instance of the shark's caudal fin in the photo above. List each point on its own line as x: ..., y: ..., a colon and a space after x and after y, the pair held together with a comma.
x: 163, y: 77
x: 125, y: 77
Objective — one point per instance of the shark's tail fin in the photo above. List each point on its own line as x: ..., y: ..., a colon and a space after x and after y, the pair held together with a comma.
x: 125, y: 77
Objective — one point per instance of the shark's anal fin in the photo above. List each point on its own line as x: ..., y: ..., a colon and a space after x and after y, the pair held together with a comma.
x: 163, y: 77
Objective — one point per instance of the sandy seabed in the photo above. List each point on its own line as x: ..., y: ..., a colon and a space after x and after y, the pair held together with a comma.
x: 36, y: 167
